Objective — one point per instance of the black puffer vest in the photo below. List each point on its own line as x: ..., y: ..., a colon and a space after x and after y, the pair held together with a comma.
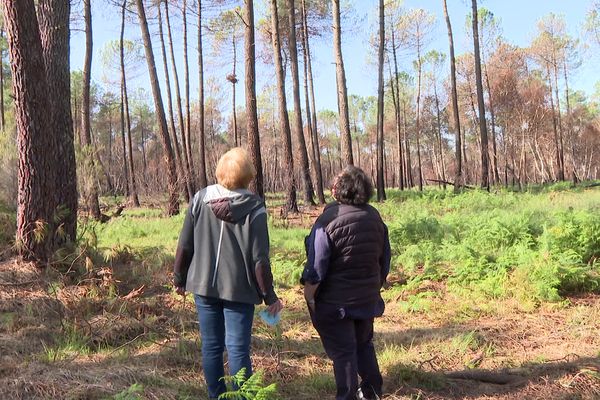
x: 357, y: 234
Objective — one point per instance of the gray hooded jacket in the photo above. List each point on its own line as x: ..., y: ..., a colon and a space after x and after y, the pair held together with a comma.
x: 223, y: 249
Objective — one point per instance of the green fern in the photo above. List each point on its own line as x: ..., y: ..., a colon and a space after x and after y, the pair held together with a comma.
x: 249, y: 388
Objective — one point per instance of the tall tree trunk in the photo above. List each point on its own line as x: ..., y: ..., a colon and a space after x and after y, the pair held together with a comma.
x: 92, y: 195
x: 54, y: 33
x: 177, y: 149
x: 418, y: 118
x: 133, y: 187
x: 342, y: 91
x: 561, y: 159
x: 561, y: 176
x: 493, y: 122
x: 570, y: 132
x: 291, y: 204
x: 312, y: 146
x: 186, y: 161
x: 144, y: 161
x: 30, y: 90
x: 439, y: 136
x: 311, y: 118
x: 203, y: 182
x: 188, y: 121
x: 2, y: 116
x: 122, y: 107
x: 485, y: 183
x: 233, y: 79
x: 293, y: 48
x: 409, y: 176
x: 401, y: 166
x: 123, y: 143
x: 251, y: 112
x: 163, y: 132
x: 380, y: 116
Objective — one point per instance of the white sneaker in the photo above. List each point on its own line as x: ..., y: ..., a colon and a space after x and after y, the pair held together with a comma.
x: 361, y: 396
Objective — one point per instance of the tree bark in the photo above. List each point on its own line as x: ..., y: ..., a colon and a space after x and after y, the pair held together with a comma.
x: 342, y: 91
x: 177, y: 148
x: 122, y: 108
x: 133, y: 187
x: 186, y: 161
x: 561, y: 159
x: 251, y: 113
x: 30, y: 90
x: 293, y: 48
x: 493, y: 126
x: 173, y: 207
x: 2, y: 116
x: 485, y: 183
x: 418, y: 116
x: 291, y: 204
x: 54, y: 34
x: 380, y: 105
x: 92, y: 195
x: 439, y: 136
x: 188, y: 122
x: 396, y: 79
x: 570, y: 132
x: 233, y: 80
x: 201, y: 116
x: 311, y: 118
x: 561, y: 176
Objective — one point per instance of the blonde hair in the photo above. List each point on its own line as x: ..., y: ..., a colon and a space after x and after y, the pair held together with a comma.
x: 234, y: 169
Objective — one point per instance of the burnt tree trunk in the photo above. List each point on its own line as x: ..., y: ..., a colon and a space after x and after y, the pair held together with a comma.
x: 203, y: 182
x: 177, y: 149
x: 380, y: 105
x: 133, y: 187
x: 293, y: 48
x: 188, y: 121
x: 92, y: 190
x: 2, y: 116
x: 311, y: 117
x: 291, y: 204
x: 342, y: 91
x: 173, y: 207
x: 186, y: 162
x: 485, y: 182
x: 458, y: 178
x: 251, y: 113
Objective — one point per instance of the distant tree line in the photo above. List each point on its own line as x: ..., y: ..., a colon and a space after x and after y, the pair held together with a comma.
x: 501, y: 115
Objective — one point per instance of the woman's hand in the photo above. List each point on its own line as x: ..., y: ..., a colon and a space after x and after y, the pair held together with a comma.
x: 275, y: 308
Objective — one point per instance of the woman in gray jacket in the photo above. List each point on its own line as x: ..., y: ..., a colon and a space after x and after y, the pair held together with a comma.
x: 223, y: 259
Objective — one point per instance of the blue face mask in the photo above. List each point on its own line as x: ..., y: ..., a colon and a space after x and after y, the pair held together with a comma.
x: 269, y: 318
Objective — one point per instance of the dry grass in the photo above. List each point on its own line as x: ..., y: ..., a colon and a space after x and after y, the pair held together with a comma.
x: 92, y: 341
x: 106, y: 325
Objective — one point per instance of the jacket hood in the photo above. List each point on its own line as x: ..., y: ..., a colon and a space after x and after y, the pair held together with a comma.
x: 231, y: 205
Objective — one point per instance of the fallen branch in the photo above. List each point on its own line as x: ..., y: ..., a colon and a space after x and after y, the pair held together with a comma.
x: 485, y: 376
x: 19, y: 283
x: 450, y: 183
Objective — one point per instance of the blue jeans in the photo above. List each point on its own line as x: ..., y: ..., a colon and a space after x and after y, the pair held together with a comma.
x: 224, y: 324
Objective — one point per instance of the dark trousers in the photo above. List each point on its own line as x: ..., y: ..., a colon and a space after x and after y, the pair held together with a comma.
x: 349, y: 344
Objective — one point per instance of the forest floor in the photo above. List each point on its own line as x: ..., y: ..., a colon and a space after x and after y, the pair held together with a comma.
x: 110, y: 327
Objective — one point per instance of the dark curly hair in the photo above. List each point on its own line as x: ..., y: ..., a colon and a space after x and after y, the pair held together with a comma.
x: 352, y: 186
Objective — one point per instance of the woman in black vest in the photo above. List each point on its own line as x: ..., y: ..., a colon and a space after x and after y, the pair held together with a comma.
x: 348, y: 259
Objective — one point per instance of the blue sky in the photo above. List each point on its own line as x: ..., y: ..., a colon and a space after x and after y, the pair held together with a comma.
x: 518, y: 22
